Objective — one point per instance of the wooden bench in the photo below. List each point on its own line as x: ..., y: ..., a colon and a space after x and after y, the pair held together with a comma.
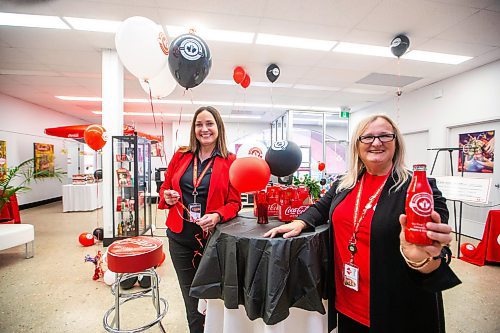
x: 18, y: 234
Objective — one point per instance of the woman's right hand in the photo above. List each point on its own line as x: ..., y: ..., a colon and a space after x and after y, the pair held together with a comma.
x: 171, y: 197
x: 288, y: 230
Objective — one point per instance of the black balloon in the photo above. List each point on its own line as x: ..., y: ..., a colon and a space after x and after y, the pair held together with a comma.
x: 98, y: 233
x: 400, y: 45
x: 98, y: 174
x: 284, y: 158
x: 189, y: 60
x: 273, y: 72
x: 322, y: 181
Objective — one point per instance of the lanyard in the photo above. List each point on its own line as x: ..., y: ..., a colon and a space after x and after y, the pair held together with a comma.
x: 196, y: 179
x: 358, y: 218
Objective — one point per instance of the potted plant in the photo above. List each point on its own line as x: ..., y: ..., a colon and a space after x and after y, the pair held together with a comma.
x: 311, y: 184
x: 18, y: 178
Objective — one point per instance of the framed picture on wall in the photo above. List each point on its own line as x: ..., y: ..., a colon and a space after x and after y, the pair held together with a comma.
x: 44, y: 159
x: 3, y: 160
x: 477, y: 152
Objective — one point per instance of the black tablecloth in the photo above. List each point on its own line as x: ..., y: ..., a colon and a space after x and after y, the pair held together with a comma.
x: 266, y: 275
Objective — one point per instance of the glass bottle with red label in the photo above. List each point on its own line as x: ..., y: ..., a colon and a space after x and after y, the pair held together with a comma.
x: 262, y: 207
x: 419, y: 206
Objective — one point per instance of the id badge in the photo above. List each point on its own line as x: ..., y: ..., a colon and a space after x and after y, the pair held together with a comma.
x: 194, y: 211
x: 351, y: 276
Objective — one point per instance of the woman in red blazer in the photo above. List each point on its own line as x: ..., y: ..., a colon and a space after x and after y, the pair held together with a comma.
x: 198, y: 195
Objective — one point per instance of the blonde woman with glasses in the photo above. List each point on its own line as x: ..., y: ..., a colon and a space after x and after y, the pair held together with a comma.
x: 380, y: 283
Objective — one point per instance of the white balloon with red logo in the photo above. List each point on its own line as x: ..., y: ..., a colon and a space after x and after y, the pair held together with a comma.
x: 255, y: 149
x: 142, y: 47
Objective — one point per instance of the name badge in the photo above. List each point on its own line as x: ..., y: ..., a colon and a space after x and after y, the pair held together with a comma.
x: 194, y: 211
x: 351, y: 276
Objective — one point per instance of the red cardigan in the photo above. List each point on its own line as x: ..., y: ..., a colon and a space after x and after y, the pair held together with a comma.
x: 223, y: 198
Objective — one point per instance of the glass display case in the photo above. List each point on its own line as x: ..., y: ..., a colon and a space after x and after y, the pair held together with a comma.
x: 131, y: 186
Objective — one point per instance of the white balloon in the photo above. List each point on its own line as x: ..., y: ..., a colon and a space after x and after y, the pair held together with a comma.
x: 142, y: 47
x: 161, y: 85
x: 256, y: 149
x: 109, y: 277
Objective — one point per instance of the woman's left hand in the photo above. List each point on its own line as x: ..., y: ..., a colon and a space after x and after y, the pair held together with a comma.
x: 208, y: 221
x: 440, y: 234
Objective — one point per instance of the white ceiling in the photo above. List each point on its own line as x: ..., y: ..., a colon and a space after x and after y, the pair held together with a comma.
x: 38, y: 64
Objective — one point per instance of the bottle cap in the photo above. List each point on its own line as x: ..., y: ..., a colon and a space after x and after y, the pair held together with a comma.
x: 419, y: 167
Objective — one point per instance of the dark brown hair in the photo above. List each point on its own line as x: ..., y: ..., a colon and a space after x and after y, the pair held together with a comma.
x: 194, y: 145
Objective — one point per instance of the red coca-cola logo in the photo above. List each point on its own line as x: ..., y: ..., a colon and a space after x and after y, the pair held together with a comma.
x: 421, y: 204
x: 295, y: 211
x: 273, y: 206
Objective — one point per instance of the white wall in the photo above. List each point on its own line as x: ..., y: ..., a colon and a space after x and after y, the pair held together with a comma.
x: 21, y: 125
x: 471, y: 98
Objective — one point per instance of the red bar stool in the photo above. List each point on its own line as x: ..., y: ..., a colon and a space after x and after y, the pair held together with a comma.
x: 128, y: 258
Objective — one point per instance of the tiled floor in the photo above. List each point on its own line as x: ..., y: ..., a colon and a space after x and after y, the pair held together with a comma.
x: 54, y: 291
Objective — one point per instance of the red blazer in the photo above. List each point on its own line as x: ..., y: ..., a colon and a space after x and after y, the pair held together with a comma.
x: 223, y: 198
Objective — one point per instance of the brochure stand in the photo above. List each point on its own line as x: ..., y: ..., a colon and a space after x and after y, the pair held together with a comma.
x: 450, y: 150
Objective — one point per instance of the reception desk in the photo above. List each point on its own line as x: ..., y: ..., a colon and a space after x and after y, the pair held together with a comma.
x: 256, y: 284
x: 78, y: 198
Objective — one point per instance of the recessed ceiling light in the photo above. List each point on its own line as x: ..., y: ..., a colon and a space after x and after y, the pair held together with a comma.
x: 241, y: 116
x: 32, y: 21
x: 364, y: 49
x: 92, y: 24
x: 213, y: 34
x: 442, y: 58
x: 295, y: 42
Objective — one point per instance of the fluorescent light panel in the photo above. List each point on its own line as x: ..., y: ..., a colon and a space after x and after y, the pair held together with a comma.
x: 86, y: 24
x: 216, y: 103
x: 32, y: 21
x: 364, y: 49
x: 213, y: 34
x: 150, y: 114
x: 295, y: 42
x: 441, y: 58
x: 313, y: 87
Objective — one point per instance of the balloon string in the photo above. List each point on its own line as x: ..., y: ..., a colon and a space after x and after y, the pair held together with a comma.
x: 163, y: 156
x: 151, y: 103
x: 399, y: 92
x: 179, y: 124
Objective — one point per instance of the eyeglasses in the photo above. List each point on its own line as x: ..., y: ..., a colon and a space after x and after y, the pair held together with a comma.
x: 371, y: 138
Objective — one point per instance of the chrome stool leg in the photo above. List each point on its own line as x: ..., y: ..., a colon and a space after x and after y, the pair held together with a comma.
x: 159, y: 303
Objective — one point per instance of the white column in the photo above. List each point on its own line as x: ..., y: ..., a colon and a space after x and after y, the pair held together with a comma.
x: 112, y: 121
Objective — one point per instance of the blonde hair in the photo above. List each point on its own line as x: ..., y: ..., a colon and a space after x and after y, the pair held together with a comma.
x: 357, y: 167
x: 194, y: 144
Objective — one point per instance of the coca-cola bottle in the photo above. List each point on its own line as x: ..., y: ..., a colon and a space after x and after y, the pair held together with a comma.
x: 419, y: 206
x: 262, y: 207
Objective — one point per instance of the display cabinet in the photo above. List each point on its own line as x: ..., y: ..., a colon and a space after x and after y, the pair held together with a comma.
x: 131, y: 186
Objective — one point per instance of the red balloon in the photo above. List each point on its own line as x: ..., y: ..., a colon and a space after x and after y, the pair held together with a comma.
x: 246, y: 82
x: 86, y: 239
x: 467, y: 249
x: 95, y: 136
x: 239, y: 74
x: 321, y: 166
x: 249, y: 174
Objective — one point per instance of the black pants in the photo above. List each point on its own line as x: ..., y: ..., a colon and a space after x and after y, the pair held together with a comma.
x: 348, y: 325
x: 186, y: 263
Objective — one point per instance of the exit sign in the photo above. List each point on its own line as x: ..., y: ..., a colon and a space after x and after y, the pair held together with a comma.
x: 344, y: 114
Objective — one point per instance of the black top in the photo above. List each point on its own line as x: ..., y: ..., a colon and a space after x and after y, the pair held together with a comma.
x: 187, y: 236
